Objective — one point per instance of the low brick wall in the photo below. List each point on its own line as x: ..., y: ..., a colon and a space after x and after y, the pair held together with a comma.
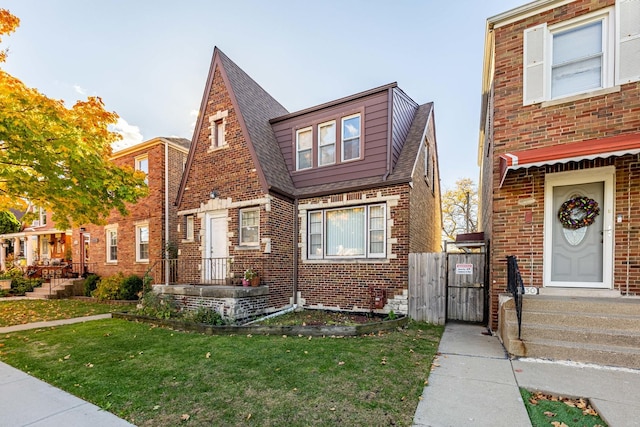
x: 232, y: 302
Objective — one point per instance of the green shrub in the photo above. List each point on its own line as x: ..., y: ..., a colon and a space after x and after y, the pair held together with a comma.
x: 90, y: 284
x: 131, y: 286
x: 20, y: 285
x: 109, y: 288
x: 158, y: 306
x: 12, y: 273
x: 208, y: 316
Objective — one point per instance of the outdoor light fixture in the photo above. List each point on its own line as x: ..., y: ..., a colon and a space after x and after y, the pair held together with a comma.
x: 214, y: 194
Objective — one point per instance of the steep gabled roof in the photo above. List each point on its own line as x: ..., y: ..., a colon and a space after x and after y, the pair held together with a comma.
x: 256, y: 107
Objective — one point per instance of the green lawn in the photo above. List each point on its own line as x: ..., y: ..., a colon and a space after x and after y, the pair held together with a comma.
x: 158, y: 377
x: 546, y: 410
x: 17, y: 312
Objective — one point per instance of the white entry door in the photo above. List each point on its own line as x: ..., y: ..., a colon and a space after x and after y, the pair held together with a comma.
x: 580, y: 257
x: 214, y: 262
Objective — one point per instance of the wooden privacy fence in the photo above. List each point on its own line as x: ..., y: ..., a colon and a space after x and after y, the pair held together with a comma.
x: 428, y: 287
x: 447, y: 287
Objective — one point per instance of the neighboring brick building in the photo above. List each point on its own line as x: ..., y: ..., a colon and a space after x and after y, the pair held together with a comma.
x: 561, y: 130
x: 324, y: 203
x: 134, y: 243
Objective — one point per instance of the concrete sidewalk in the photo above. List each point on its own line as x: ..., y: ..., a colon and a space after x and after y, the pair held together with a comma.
x: 474, y: 383
x: 28, y: 401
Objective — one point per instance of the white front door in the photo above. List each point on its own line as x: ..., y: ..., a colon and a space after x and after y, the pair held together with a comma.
x: 580, y: 257
x: 214, y: 262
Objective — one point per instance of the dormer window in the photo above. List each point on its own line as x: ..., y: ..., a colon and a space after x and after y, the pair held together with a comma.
x: 351, y: 137
x: 327, y: 143
x: 218, y: 125
x: 304, y: 148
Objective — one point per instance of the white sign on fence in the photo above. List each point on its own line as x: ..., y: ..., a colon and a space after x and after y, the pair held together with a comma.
x: 464, y: 268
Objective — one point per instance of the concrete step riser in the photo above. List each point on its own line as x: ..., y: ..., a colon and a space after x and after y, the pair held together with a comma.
x: 577, y: 320
x: 608, y: 358
x: 582, y: 305
x: 612, y: 338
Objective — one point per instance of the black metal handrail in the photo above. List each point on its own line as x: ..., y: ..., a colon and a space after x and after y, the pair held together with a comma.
x: 515, y: 287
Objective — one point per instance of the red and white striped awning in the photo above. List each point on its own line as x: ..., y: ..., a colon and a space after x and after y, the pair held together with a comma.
x: 571, y: 152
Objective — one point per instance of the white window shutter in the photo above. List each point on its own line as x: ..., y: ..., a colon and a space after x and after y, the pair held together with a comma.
x: 533, y: 65
x: 628, y: 38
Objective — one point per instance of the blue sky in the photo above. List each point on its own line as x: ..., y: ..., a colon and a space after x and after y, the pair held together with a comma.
x: 148, y: 59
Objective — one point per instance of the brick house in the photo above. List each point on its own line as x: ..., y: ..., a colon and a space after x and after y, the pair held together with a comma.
x: 132, y: 244
x: 560, y: 168
x: 39, y: 244
x: 325, y: 204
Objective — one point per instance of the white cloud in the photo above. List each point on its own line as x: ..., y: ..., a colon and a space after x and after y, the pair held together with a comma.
x: 194, y: 114
x: 131, y: 134
x: 79, y: 89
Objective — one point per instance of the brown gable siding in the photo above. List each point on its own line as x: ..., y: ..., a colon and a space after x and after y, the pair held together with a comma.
x: 404, y: 109
x: 374, y: 109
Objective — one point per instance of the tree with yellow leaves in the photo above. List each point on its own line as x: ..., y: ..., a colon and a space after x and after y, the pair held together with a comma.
x: 460, y: 209
x: 56, y: 157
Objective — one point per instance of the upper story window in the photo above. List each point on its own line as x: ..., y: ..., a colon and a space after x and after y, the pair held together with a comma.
x: 350, y: 232
x: 111, y: 238
x: 351, y: 137
x: 218, y: 127
x: 142, y: 165
x: 304, y: 148
x: 592, y: 52
x: 327, y: 143
x: 250, y: 227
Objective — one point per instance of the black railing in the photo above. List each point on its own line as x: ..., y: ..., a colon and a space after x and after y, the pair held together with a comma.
x: 515, y: 287
x: 203, y: 271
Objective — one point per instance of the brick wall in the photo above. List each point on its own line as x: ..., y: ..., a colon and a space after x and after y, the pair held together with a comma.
x: 518, y: 127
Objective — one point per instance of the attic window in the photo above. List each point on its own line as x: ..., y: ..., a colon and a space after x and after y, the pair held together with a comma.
x: 218, y: 127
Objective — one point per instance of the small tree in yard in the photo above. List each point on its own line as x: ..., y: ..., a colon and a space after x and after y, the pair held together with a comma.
x: 460, y: 209
x: 58, y: 158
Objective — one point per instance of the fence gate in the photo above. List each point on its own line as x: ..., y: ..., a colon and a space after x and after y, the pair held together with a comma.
x: 466, y: 288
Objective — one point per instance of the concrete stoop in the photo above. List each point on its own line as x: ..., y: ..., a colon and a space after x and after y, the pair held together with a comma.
x: 604, y: 331
x: 60, y: 290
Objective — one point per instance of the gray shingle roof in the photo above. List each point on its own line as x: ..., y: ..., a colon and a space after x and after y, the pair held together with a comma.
x: 183, y: 142
x: 256, y: 108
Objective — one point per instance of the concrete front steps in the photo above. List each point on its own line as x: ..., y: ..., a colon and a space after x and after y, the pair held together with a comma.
x: 599, y: 330
x: 60, y: 289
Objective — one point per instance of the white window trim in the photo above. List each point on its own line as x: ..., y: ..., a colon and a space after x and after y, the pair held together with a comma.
x: 538, y: 54
x: 320, y: 145
x: 189, y: 227
x: 219, y: 116
x: 343, y: 139
x: 298, y: 132
x: 367, y: 253
x: 137, y: 161
x: 107, y: 238
x: 240, y: 234
x: 137, y: 249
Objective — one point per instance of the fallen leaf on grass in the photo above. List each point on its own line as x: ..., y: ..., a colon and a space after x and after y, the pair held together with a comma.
x: 340, y: 363
x: 248, y: 417
x: 67, y: 357
x: 208, y: 355
x: 549, y: 414
x: 558, y: 424
x: 185, y: 417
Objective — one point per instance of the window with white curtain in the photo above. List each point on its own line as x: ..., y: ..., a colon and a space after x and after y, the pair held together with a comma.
x: 349, y: 232
x: 250, y: 227
x: 112, y: 243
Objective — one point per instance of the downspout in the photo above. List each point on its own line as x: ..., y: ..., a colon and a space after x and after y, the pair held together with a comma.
x: 389, y: 133
x: 166, y: 213
x: 296, y: 233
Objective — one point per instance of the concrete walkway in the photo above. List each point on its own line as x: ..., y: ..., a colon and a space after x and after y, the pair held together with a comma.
x: 474, y: 383
x: 27, y: 401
